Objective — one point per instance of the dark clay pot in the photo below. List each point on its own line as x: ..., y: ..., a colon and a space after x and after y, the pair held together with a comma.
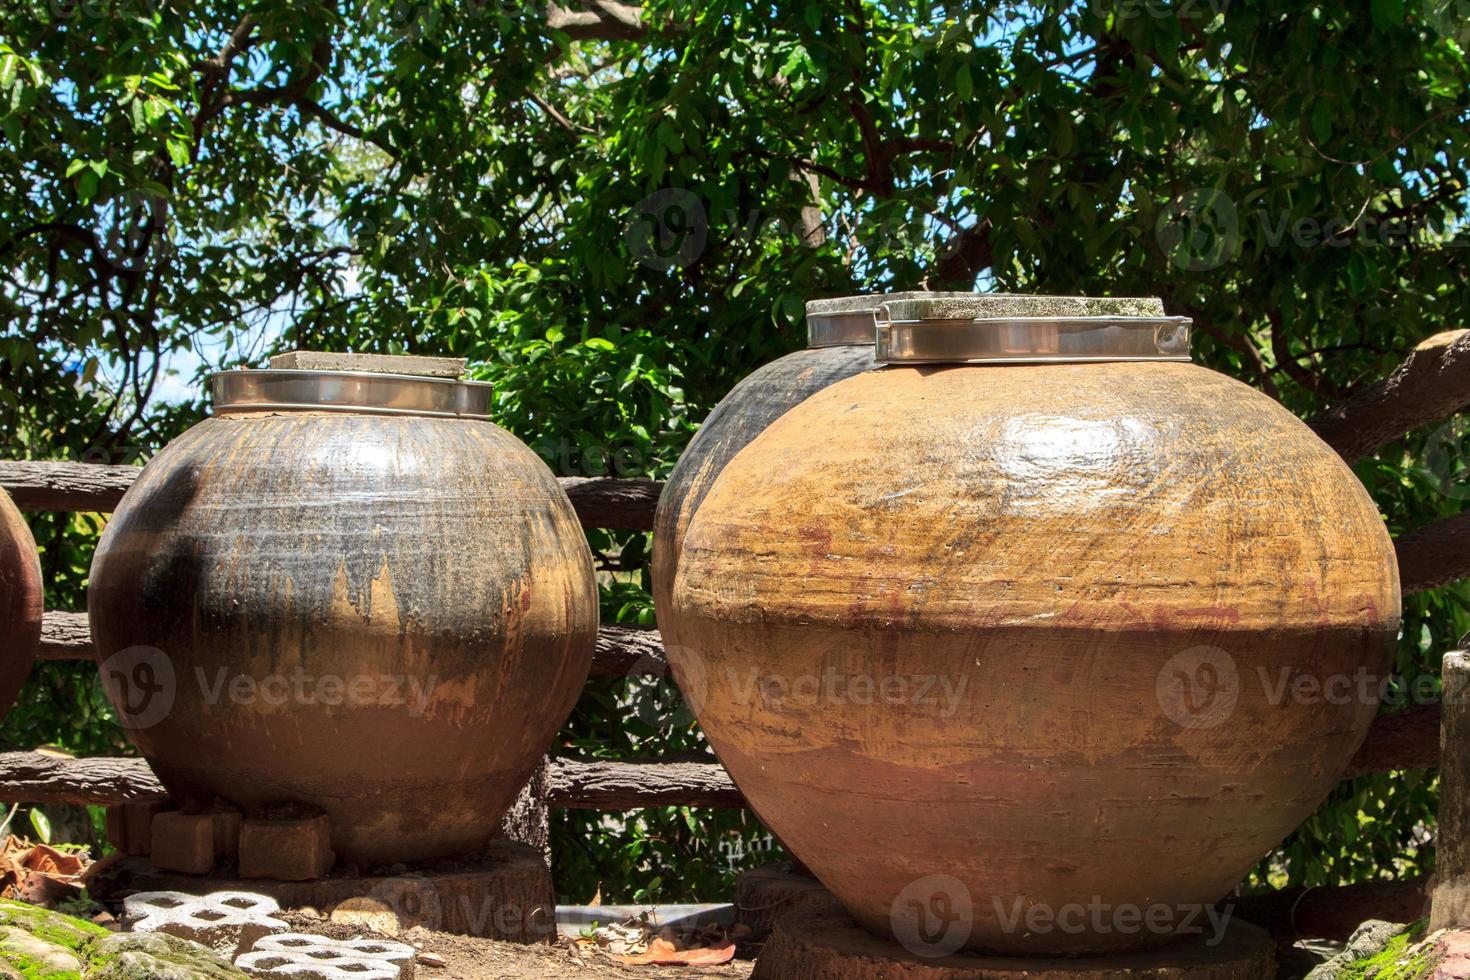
x: 387, y: 616
x: 978, y: 639
x: 20, y: 601
x: 839, y: 345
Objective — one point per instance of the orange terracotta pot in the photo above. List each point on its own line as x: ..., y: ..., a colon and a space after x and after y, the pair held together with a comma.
x: 21, y: 594
x: 357, y: 594
x: 1034, y: 658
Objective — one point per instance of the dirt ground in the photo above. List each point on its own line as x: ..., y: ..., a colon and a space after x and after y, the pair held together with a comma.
x: 471, y: 958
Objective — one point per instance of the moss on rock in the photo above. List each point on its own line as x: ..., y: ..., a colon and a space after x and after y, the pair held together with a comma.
x: 38, y: 944
x: 155, y: 956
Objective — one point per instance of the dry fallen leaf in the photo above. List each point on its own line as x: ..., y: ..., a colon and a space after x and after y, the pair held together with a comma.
x: 661, y: 952
x: 38, y: 874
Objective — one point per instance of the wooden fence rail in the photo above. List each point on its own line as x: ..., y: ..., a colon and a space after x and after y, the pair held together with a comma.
x: 588, y: 784
x: 622, y: 651
x: 1429, y: 557
x: 606, y: 502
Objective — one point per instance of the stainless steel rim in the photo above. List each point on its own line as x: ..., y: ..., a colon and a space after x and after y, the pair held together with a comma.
x: 348, y: 391
x: 1032, y: 340
x: 841, y: 329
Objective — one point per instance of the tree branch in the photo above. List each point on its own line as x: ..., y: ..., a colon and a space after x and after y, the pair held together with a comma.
x: 1432, y: 383
x: 603, y: 20
x: 1434, y: 555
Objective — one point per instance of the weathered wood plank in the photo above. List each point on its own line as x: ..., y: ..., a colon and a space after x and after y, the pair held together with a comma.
x: 66, y: 486
x: 1407, y: 739
x: 602, y: 501
x: 36, y: 777
x: 621, y: 651
x: 39, y: 777
x: 599, y: 784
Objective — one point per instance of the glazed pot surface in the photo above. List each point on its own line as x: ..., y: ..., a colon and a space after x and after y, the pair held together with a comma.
x: 991, y: 648
x: 385, y: 617
x: 21, y: 596
x: 759, y: 399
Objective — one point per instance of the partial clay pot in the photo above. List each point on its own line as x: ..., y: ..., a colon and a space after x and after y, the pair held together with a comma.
x: 352, y: 591
x: 839, y: 345
x: 1037, y: 639
x: 21, y: 595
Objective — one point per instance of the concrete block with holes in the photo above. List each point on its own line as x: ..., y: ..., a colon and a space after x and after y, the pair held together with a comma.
x: 304, y: 957
x: 227, y: 922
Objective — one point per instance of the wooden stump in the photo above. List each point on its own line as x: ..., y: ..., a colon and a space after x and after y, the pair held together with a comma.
x: 826, y: 944
x: 502, y: 893
x: 765, y: 894
x: 1450, y: 905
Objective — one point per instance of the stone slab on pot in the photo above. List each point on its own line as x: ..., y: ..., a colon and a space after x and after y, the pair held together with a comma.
x: 228, y: 922
x: 306, y: 956
x: 763, y: 895
x: 504, y: 892
x: 311, y: 360
x: 826, y: 943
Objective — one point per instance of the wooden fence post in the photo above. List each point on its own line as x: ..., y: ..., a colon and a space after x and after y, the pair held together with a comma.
x: 1450, y: 905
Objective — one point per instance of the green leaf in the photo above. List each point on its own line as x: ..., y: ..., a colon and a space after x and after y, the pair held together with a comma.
x: 41, y: 824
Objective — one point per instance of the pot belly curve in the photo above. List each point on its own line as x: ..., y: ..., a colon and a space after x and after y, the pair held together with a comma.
x: 1025, y: 653
x: 388, y: 618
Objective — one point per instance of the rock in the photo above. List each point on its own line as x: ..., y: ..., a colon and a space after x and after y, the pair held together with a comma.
x: 156, y: 956
x: 35, y: 957
x: 368, y: 913
x: 432, y: 959
x: 1401, y: 952
x: 36, y: 944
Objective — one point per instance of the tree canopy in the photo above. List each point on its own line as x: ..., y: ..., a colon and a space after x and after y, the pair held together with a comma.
x: 617, y: 211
